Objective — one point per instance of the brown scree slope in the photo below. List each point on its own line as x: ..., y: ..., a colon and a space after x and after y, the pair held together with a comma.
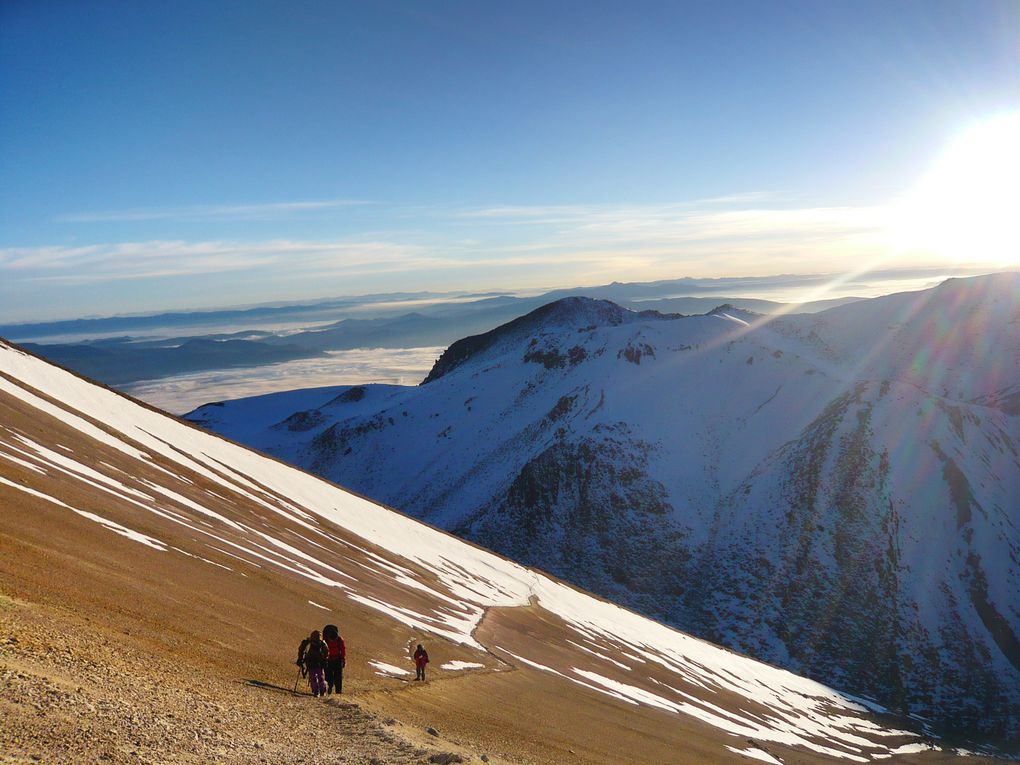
x: 180, y: 649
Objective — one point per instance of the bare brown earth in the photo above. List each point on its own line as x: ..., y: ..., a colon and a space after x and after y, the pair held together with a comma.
x: 97, y: 696
x: 113, y: 652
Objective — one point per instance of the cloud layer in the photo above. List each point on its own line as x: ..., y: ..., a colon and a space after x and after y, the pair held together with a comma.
x: 508, y: 247
x: 181, y: 394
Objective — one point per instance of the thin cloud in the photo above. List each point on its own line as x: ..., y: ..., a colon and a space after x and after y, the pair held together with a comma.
x: 268, y: 211
x: 560, y: 244
x: 579, y: 213
x: 163, y: 259
x: 793, y: 225
x: 710, y: 234
x: 529, y: 212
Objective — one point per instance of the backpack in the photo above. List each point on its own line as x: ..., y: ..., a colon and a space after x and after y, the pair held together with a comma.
x: 336, y: 648
x: 315, y: 653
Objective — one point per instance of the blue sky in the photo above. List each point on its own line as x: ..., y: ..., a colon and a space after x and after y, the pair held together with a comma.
x: 160, y: 155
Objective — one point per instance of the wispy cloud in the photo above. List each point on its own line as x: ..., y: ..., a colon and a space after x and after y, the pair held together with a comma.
x: 756, y: 226
x: 268, y: 211
x: 544, y: 213
x: 500, y: 246
x: 710, y: 237
x: 161, y: 259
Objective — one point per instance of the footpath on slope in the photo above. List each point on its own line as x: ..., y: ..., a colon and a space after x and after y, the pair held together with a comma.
x: 77, y: 691
x: 81, y: 689
x: 534, y: 710
x: 535, y: 715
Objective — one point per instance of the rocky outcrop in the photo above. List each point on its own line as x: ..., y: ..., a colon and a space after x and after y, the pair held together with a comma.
x: 574, y: 313
x: 590, y: 508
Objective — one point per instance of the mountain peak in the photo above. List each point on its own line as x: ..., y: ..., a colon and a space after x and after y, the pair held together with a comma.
x: 569, y: 312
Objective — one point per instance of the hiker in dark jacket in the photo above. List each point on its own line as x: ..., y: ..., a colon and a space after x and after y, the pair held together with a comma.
x: 336, y: 658
x: 312, y: 655
x: 421, y: 658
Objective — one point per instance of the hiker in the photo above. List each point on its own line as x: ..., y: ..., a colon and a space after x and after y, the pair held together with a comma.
x: 336, y: 658
x: 311, y: 656
x: 421, y: 658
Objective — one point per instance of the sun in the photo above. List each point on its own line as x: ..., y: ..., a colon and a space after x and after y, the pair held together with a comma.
x: 966, y: 209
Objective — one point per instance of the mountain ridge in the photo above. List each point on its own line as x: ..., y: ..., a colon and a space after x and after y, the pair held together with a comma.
x: 567, y: 311
x: 844, y: 439
x: 147, y: 530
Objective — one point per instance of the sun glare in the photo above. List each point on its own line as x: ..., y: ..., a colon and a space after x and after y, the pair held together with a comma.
x: 967, y: 208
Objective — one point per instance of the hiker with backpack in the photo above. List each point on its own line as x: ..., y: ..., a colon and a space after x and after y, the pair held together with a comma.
x: 421, y: 658
x: 312, y: 655
x: 336, y: 658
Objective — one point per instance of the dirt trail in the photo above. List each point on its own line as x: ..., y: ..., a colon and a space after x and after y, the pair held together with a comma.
x: 73, y: 692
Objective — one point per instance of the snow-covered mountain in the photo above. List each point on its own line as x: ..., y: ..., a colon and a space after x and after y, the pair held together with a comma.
x: 836, y: 493
x: 141, y: 532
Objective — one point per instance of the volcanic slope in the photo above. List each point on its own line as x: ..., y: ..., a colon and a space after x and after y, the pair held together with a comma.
x: 834, y: 493
x: 156, y: 580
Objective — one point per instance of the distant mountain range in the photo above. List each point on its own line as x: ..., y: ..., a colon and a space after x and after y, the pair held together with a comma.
x: 389, y: 304
x: 381, y: 322
x: 836, y: 493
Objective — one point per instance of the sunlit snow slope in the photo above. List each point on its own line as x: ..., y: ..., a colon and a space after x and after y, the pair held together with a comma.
x: 94, y: 483
x: 836, y: 493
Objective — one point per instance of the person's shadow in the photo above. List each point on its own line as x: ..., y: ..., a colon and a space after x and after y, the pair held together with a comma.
x: 278, y: 688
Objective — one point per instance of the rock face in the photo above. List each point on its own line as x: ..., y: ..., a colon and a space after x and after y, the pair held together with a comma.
x: 880, y: 558
x: 835, y: 493
x: 588, y: 506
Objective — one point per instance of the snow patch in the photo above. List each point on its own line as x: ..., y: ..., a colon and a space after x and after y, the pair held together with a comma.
x: 124, y: 531
x: 199, y: 557
x: 388, y: 669
x: 757, y: 754
x: 23, y: 463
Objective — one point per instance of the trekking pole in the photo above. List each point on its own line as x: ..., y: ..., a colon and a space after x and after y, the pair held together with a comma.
x: 298, y: 679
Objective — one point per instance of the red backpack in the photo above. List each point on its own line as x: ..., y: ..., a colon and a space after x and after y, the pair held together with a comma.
x: 337, y: 649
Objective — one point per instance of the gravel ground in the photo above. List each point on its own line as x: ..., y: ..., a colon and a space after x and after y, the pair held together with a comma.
x: 73, y: 694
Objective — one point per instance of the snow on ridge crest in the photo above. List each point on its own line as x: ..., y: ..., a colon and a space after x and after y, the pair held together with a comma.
x: 569, y: 312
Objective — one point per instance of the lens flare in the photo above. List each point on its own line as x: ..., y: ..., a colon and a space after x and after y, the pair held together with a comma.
x: 967, y: 208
